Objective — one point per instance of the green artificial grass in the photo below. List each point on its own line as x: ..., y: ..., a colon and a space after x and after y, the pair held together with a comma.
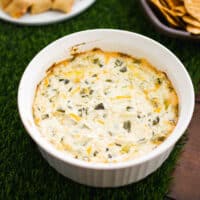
x: 24, y: 174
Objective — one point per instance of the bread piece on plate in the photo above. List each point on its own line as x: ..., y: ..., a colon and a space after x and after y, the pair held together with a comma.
x: 4, y: 3
x: 17, y: 8
x: 63, y: 5
x: 40, y: 6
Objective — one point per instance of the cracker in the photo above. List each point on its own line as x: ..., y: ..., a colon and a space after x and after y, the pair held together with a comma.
x: 172, y: 20
x: 174, y: 8
x: 193, y: 8
x: 190, y: 20
x: 180, y: 9
x: 164, y: 3
x: 193, y: 29
x: 174, y: 3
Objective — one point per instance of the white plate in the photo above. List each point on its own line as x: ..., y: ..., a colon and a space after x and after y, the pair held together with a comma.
x: 50, y: 16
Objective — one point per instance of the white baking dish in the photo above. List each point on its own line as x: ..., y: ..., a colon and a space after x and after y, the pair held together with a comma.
x: 114, y: 174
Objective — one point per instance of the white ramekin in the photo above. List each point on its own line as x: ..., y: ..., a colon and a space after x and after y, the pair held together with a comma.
x: 115, y: 174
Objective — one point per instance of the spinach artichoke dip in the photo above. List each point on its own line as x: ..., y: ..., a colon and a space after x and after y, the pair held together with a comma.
x: 105, y: 107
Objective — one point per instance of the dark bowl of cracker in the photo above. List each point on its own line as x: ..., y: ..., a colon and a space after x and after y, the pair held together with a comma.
x: 174, y: 18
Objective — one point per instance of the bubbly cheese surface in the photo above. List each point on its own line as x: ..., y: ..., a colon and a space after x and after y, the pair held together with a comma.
x: 105, y: 107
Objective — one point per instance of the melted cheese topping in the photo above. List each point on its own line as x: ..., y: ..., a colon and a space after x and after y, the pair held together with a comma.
x: 105, y: 107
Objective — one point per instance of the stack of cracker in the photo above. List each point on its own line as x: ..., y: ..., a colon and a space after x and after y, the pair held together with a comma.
x: 184, y: 14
